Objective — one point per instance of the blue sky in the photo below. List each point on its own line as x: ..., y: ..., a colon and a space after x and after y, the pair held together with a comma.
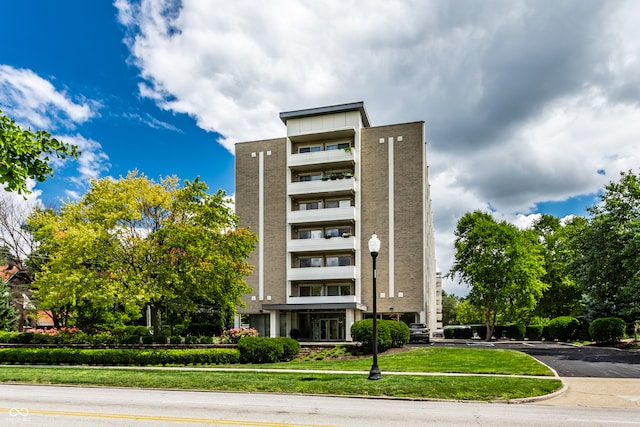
x: 78, y: 47
x: 528, y: 109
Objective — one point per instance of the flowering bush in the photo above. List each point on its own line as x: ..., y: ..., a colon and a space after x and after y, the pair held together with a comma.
x: 233, y: 335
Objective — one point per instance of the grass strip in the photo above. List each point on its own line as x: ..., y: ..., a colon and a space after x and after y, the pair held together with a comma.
x: 404, y: 386
x: 433, y: 359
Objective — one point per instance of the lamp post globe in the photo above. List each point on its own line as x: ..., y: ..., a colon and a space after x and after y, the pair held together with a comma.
x: 374, y: 248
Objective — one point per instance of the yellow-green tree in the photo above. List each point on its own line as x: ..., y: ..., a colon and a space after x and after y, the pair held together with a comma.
x: 133, y: 241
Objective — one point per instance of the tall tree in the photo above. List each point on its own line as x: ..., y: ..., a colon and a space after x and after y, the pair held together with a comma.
x: 25, y: 154
x: 606, y: 260
x: 502, y: 265
x: 8, y: 316
x: 563, y: 297
x: 134, y: 241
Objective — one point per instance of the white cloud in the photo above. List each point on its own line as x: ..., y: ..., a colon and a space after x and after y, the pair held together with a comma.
x: 523, y: 103
x: 90, y: 164
x: 33, y: 101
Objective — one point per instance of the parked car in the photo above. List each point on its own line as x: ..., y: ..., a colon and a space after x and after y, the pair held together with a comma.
x: 418, y: 332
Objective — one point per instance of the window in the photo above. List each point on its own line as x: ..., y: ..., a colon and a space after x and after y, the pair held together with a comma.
x: 338, y: 290
x: 332, y: 261
x: 336, y: 261
x: 310, y: 290
x: 344, y: 260
x: 310, y: 149
x: 311, y: 262
x: 307, y: 206
x: 310, y: 177
x: 333, y: 232
x: 310, y: 234
x: 338, y: 203
x: 338, y: 146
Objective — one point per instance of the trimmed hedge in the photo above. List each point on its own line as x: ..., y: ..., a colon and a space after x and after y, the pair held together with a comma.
x: 400, y: 333
x: 607, y: 330
x: 563, y: 328
x: 267, y: 350
x: 362, y: 332
x: 111, y: 357
x: 534, y: 332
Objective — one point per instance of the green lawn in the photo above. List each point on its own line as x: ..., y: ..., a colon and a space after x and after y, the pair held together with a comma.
x: 433, y: 387
x: 437, y: 360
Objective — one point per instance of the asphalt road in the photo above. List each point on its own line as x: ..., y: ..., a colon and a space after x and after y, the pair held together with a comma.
x: 35, y: 406
x: 573, y: 361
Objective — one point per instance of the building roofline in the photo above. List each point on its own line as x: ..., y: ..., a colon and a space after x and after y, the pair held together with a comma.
x: 331, y: 109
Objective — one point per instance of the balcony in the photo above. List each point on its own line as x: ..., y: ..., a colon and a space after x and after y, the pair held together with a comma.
x: 346, y: 185
x: 337, y: 158
x: 322, y: 245
x: 323, y: 300
x: 322, y: 273
x: 322, y: 215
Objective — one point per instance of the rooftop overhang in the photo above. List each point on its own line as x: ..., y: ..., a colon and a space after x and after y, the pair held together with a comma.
x: 332, y: 109
x: 305, y: 307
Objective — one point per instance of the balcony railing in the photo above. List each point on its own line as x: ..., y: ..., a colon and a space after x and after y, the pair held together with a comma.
x: 322, y: 273
x: 322, y: 245
x: 322, y: 187
x: 322, y: 215
x: 322, y: 299
x: 340, y: 156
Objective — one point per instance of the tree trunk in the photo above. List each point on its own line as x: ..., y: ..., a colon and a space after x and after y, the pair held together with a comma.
x: 156, y: 318
x: 487, y: 321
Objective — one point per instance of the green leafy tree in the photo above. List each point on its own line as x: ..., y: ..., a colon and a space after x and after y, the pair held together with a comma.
x: 469, y: 314
x: 606, y: 261
x: 502, y: 265
x: 449, y: 308
x: 25, y: 154
x: 132, y: 242
x: 563, y: 297
x: 8, y: 314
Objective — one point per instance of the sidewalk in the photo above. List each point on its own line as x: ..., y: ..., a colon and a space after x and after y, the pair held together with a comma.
x: 597, y: 393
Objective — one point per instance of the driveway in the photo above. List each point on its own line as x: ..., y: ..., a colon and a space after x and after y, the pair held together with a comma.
x: 570, y: 360
x: 585, y: 361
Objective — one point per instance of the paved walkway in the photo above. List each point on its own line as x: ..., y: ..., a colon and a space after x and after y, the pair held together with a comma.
x: 597, y: 393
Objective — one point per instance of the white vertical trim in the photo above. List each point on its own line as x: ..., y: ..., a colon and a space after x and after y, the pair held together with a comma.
x: 261, y: 226
x: 391, y: 222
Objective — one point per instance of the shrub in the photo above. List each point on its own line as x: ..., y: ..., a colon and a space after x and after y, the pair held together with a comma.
x: 534, y: 332
x: 563, y: 328
x: 175, y: 339
x: 190, y: 339
x: 607, y: 330
x: 233, y: 335
x: 260, y: 350
x: 399, y: 332
x: 55, y: 356
x: 206, y: 340
x: 291, y: 348
x: 362, y: 332
x: 516, y: 331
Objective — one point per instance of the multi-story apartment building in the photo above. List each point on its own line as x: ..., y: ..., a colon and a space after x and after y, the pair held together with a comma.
x: 314, y: 198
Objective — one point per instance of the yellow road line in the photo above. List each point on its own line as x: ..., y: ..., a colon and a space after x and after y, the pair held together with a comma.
x: 22, y: 414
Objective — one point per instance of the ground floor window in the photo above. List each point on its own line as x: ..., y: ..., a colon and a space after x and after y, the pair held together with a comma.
x: 261, y: 323
x: 329, y: 326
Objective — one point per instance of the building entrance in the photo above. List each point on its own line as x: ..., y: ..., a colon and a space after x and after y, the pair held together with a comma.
x: 322, y: 326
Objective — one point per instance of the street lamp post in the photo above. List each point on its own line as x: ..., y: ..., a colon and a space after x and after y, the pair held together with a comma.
x: 374, y: 248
